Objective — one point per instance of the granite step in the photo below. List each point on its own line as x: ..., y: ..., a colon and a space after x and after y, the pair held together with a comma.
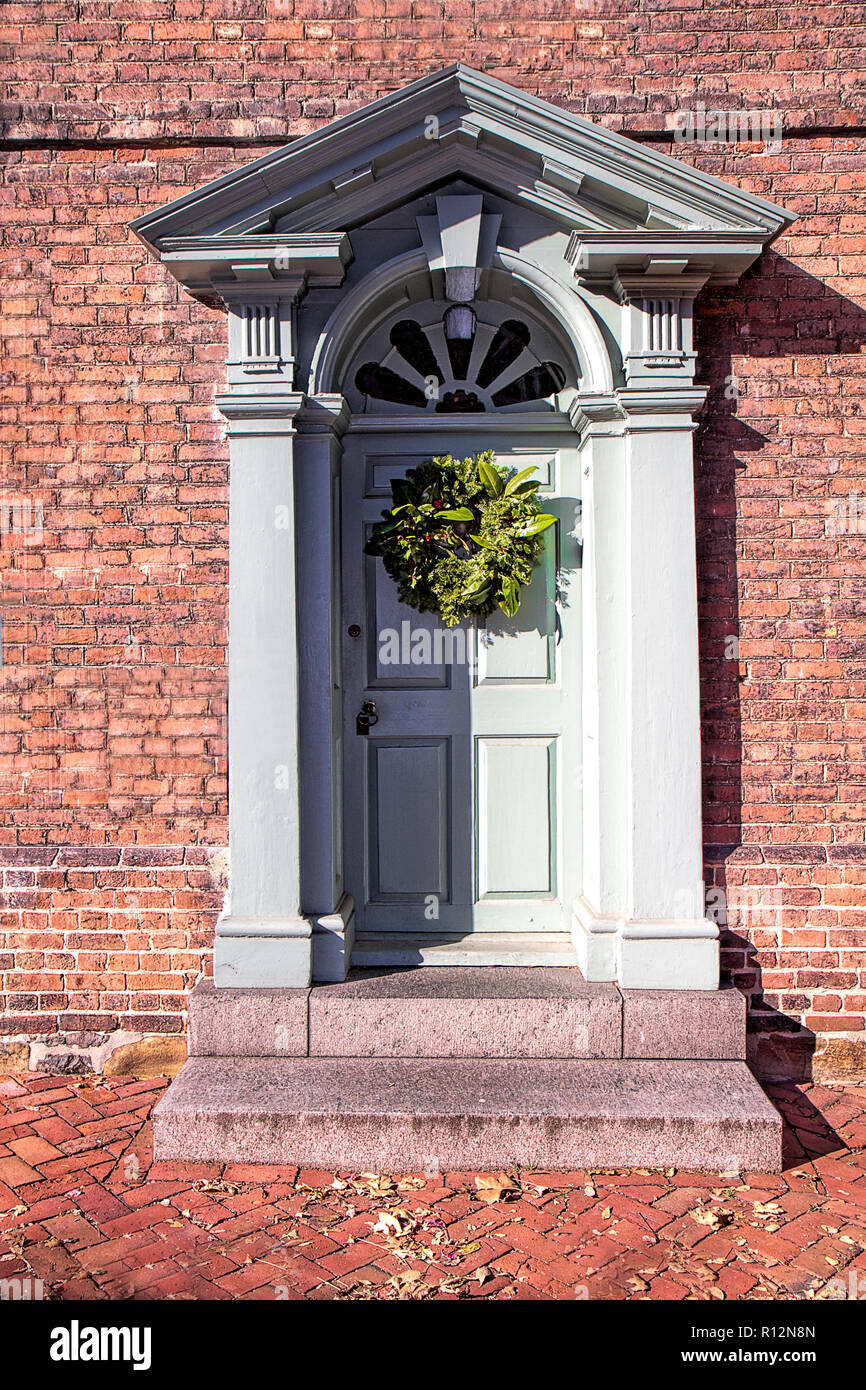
x: 500, y: 1011
x: 464, y: 1012
x: 423, y: 1115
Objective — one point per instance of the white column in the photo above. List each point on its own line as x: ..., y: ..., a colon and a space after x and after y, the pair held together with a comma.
x: 641, y: 917
x: 262, y: 938
x: 666, y: 941
x: 317, y: 477
x: 598, y: 913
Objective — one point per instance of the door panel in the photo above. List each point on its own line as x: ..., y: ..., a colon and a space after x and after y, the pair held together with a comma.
x: 409, y: 852
x: 516, y: 834
x: 524, y: 648
x: 402, y: 662
x: 458, y: 803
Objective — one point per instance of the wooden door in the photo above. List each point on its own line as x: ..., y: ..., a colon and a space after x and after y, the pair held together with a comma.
x: 461, y: 805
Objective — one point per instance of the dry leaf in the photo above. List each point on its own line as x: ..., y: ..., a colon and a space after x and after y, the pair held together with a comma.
x: 471, y: 1248
x: 375, y: 1184
x: 713, y: 1219
x: 589, y: 1190
x: 229, y: 1189
x: 482, y: 1274
x: 496, y: 1189
x: 606, y: 1211
x: 388, y: 1224
x: 453, y: 1285
x: 406, y: 1283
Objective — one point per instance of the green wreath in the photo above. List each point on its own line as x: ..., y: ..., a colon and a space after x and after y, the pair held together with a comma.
x: 461, y: 538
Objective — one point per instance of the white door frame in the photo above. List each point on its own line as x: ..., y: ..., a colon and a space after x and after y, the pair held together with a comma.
x: 646, y: 233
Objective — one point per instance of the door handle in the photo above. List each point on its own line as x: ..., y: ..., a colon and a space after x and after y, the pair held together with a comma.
x: 366, y: 717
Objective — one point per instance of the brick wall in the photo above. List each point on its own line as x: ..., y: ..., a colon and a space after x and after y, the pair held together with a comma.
x: 114, y: 473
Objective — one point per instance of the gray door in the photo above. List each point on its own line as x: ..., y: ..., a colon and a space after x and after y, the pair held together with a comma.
x: 461, y: 806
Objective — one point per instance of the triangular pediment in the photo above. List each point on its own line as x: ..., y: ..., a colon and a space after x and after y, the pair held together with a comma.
x: 462, y: 123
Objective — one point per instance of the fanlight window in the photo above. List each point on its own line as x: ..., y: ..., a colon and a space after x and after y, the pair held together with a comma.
x: 459, y: 366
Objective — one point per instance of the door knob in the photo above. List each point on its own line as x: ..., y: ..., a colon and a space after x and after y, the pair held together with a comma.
x: 366, y: 717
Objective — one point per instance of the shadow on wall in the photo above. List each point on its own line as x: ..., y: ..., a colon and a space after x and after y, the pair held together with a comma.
x: 776, y: 312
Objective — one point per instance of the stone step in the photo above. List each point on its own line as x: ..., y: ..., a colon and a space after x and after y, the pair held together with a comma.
x: 500, y: 1011
x: 465, y: 1012
x: 429, y: 1116
x: 401, y: 949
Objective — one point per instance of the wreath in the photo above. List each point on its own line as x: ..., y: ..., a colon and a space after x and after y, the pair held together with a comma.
x: 461, y: 538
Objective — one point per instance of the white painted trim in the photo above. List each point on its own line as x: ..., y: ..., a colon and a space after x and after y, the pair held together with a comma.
x: 542, y: 155
x: 642, y: 225
x: 333, y: 939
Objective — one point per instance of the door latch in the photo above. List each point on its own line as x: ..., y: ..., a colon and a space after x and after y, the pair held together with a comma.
x: 366, y: 718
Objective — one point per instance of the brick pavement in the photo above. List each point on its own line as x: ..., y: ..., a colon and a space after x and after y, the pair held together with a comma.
x: 84, y: 1209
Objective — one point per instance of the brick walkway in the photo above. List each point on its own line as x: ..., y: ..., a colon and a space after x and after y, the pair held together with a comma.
x: 86, y: 1210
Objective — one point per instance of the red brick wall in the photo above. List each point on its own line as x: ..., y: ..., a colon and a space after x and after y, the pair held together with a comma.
x: 112, y: 685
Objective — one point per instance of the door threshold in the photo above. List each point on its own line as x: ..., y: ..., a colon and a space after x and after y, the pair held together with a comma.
x: 373, y: 949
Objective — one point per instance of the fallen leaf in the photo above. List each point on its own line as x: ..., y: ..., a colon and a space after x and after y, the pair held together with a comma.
x: 713, y: 1219
x: 376, y: 1184
x: 482, y: 1274
x: 496, y: 1189
x: 230, y: 1189
x: 453, y: 1285
x: 388, y: 1224
x: 406, y: 1283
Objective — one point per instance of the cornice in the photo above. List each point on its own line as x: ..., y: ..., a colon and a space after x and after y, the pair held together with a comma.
x: 220, y: 262
x: 461, y: 115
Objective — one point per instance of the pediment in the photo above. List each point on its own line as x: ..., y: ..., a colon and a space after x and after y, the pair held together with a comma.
x: 602, y: 187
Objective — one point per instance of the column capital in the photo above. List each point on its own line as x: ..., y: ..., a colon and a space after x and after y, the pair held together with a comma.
x: 657, y: 302
x: 635, y: 408
x: 661, y: 407
x: 259, y: 411
x: 327, y: 413
x: 595, y: 415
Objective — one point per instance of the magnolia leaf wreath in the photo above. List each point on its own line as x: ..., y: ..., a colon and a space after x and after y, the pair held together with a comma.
x: 461, y: 537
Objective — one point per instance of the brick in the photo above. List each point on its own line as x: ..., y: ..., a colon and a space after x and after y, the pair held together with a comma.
x: 111, y: 423
x: 15, y: 1173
